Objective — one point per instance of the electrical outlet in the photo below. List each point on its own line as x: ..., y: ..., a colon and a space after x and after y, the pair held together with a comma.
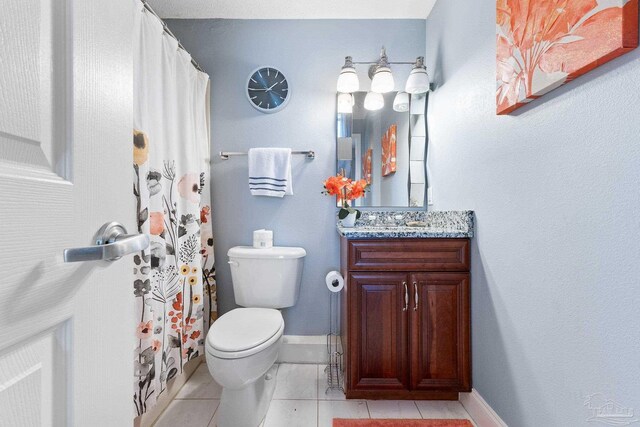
x: 430, y: 196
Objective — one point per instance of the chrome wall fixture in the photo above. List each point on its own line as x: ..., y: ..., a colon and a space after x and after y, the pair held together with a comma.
x: 382, y: 81
x: 224, y: 155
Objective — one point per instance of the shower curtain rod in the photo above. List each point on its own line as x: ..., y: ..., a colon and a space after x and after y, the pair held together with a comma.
x: 168, y: 31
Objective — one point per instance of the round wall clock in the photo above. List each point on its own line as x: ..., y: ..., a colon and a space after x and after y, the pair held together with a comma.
x: 268, y: 89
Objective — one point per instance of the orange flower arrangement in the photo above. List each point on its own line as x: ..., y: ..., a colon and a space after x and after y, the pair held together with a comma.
x: 345, y: 189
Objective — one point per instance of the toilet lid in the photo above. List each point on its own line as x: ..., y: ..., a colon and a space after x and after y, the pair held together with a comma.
x: 244, y: 328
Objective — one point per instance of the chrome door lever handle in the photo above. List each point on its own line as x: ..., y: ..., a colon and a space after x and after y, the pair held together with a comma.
x: 112, y: 243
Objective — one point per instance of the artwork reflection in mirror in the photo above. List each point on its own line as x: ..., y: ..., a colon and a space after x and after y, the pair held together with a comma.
x: 385, y: 147
x: 389, y: 150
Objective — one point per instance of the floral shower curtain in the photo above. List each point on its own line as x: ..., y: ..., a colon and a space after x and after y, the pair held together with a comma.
x: 174, y: 280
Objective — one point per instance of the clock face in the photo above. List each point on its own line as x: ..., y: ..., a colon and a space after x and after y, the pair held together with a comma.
x: 268, y: 90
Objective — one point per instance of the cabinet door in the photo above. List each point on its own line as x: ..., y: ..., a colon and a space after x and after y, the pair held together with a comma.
x: 378, y: 330
x: 439, y: 331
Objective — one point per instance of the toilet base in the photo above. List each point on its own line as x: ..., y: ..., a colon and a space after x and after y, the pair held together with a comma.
x: 233, y: 412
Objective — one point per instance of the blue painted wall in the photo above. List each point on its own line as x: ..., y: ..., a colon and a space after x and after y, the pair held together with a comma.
x: 310, y: 53
x: 556, y: 258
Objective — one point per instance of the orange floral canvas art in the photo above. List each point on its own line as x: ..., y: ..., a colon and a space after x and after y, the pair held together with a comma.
x: 543, y: 44
x: 389, y: 150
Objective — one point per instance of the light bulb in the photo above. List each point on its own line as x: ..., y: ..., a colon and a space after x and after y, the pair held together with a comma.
x: 401, y: 102
x: 345, y: 103
x: 418, y: 81
x: 348, y: 79
x: 383, y: 80
x: 373, y: 101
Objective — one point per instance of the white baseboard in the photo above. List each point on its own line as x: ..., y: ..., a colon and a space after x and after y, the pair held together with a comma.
x: 303, y: 349
x: 480, y: 411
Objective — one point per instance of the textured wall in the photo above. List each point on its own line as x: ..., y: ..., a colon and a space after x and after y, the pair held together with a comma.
x: 310, y: 53
x: 556, y: 258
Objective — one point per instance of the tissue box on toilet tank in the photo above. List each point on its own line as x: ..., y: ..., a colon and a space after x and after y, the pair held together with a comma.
x: 263, y: 238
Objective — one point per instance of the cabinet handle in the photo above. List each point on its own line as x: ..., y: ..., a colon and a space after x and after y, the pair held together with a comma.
x: 415, y: 295
x: 406, y: 297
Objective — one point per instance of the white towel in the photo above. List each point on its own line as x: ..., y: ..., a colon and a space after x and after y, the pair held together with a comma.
x: 270, y: 172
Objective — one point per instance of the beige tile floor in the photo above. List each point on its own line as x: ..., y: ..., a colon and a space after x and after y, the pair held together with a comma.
x: 299, y: 401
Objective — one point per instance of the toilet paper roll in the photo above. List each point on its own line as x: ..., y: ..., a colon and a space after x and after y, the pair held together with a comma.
x: 335, y: 281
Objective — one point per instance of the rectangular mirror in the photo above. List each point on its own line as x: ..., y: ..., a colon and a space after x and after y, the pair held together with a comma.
x: 387, y: 147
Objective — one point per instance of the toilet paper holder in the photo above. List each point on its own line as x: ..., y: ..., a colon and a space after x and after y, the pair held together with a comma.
x: 334, y: 369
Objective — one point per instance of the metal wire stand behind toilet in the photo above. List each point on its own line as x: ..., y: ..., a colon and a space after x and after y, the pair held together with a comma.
x: 334, y: 369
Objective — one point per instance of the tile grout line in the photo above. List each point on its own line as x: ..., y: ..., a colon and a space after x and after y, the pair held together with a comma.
x: 419, y: 411
x: 196, y: 398
x: 213, y: 415
x: 301, y: 400
x: 416, y: 405
x: 317, y: 400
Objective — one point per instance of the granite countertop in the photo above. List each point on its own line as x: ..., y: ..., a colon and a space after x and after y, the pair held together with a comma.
x: 392, y: 224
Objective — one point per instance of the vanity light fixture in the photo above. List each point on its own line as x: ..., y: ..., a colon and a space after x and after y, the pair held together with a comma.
x: 348, y: 79
x: 373, y: 101
x: 400, y: 102
x: 418, y: 81
x: 382, y: 80
x: 345, y: 103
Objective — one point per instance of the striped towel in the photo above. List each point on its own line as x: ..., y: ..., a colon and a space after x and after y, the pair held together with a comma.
x: 270, y: 172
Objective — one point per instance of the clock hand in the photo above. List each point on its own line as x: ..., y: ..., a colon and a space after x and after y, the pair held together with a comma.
x: 258, y: 89
x: 276, y: 83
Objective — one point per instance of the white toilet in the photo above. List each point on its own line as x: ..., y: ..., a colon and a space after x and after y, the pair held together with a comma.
x: 242, y: 345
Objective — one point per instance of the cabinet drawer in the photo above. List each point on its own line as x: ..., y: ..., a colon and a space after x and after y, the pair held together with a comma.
x: 409, y: 255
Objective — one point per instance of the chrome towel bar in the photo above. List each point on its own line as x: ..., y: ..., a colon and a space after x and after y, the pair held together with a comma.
x: 224, y: 155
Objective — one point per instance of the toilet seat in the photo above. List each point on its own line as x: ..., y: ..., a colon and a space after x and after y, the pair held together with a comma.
x: 243, y: 332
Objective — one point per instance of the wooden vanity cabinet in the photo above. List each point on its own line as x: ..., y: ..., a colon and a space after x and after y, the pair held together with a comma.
x: 406, y: 318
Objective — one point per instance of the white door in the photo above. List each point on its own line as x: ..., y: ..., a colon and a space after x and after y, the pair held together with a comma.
x: 65, y: 169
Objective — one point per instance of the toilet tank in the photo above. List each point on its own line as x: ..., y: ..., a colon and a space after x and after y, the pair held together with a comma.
x: 266, y: 277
